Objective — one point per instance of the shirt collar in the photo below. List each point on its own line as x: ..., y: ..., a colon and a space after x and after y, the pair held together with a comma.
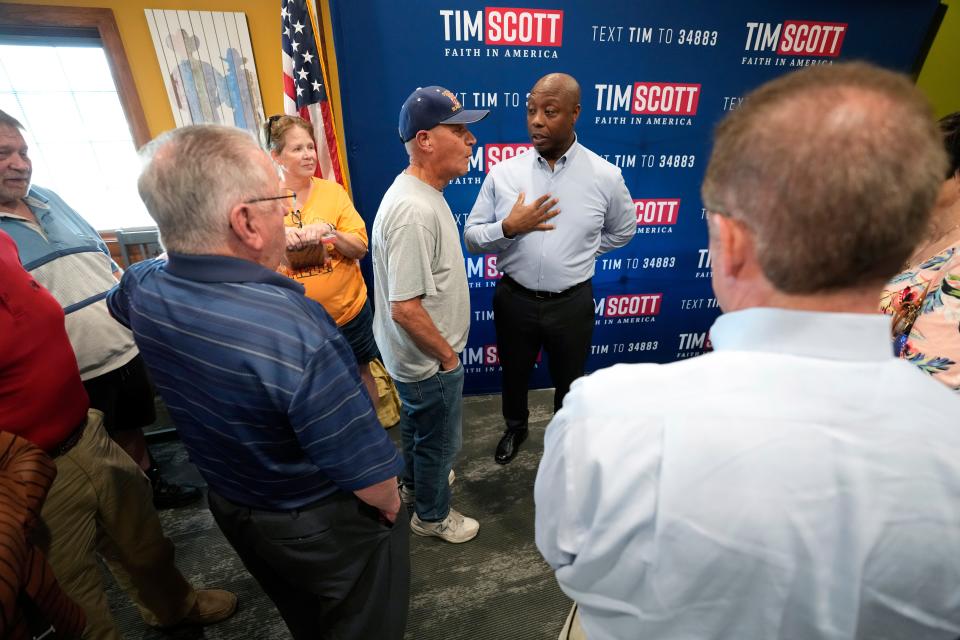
x: 33, y: 200
x: 36, y: 199
x: 830, y: 336
x: 213, y: 268
x: 563, y: 160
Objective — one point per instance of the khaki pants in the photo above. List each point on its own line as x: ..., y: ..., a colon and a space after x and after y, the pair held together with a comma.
x: 571, y: 628
x: 102, y: 502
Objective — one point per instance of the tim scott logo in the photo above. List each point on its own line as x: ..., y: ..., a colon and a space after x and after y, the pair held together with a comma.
x: 796, y: 38
x: 504, y: 26
x: 649, y: 98
x: 486, y: 157
x: 700, y: 341
x: 484, y: 266
x: 484, y: 355
x: 657, y: 211
x: 629, y: 305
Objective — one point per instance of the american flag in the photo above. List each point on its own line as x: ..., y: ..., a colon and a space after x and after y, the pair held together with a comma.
x: 304, y: 80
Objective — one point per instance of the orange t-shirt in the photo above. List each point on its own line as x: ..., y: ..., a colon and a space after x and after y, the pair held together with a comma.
x: 342, y: 292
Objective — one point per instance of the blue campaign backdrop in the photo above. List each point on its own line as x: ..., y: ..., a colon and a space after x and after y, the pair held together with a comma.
x: 656, y: 77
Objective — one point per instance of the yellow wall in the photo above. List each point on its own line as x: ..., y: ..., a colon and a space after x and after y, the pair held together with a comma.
x: 940, y: 76
x: 263, y: 20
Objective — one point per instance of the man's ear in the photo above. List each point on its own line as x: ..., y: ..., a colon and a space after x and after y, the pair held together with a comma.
x: 732, y: 244
x: 245, y: 225
x: 424, y: 141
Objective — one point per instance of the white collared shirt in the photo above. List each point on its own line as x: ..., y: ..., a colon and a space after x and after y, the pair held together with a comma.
x: 799, y: 482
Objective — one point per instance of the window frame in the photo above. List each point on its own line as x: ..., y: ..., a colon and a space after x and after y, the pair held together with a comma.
x: 35, y: 19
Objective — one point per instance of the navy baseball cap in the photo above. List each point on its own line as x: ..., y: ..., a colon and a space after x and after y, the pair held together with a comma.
x: 429, y: 106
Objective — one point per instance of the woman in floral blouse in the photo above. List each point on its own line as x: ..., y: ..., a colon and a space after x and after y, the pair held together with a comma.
x: 924, y: 299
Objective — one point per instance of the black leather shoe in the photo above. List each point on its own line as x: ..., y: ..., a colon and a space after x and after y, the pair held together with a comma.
x: 509, y: 445
x: 167, y: 495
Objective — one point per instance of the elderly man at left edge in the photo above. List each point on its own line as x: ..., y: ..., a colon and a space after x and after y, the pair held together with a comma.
x: 265, y: 392
x: 67, y: 256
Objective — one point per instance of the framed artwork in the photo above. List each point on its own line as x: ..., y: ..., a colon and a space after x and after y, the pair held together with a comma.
x: 206, y: 60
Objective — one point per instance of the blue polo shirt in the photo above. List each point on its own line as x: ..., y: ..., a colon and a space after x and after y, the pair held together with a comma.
x: 263, y: 389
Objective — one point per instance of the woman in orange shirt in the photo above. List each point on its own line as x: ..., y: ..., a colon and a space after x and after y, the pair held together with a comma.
x: 325, y: 213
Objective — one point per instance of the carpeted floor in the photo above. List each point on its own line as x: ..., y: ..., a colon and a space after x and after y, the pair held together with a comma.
x: 494, y: 587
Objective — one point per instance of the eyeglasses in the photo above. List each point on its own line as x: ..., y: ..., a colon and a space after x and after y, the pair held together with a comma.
x: 297, y: 218
x: 288, y: 194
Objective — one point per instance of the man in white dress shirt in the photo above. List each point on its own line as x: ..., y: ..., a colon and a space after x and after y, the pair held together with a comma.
x: 799, y: 481
x: 545, y: 298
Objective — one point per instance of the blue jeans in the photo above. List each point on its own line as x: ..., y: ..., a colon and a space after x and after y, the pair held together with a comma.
x: 430, y: 424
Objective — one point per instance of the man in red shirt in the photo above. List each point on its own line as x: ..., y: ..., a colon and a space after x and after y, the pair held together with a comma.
x: 100, y: 500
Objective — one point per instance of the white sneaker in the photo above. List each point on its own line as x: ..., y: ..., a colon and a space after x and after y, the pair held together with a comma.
x: 409, y: 499
x: 455, y: 528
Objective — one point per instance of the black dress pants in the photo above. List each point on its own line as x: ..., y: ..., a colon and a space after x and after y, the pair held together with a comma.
x: 333, y: 570
x: 525, y: 322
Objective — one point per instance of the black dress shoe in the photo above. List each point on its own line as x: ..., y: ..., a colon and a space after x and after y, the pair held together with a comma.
x: 167, y: 495
x: 509, y: 445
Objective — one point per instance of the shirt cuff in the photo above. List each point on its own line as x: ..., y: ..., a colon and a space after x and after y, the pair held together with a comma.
x: 496, y: 233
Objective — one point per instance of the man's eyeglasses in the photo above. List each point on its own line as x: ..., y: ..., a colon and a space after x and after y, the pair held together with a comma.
x: 286, y: 194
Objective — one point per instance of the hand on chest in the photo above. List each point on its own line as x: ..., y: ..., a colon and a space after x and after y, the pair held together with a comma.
x: 582, y: 208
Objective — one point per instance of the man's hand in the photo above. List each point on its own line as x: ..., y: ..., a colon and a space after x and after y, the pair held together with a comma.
x: 414, y: 319
x: 449, y: 364
x: 384, y: 497
x: 524, y: 218
x: 389, y: 516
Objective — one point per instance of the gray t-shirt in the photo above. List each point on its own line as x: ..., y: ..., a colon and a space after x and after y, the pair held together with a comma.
x: 416, y: 254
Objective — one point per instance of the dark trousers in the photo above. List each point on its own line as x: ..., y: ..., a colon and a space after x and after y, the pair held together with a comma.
x: 124, y: 396
x: 561, y: 325
x: 333, y: 570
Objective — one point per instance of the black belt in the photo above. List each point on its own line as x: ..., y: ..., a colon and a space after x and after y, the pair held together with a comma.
x: 533, y: 293
x: 69, y: 442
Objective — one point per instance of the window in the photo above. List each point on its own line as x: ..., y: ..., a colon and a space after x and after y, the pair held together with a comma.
x: 61, y: 83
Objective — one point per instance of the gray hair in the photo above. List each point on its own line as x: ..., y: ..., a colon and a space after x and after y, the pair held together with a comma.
x: 7, y: 120
x: 833, y: 168
x: 192, y: 177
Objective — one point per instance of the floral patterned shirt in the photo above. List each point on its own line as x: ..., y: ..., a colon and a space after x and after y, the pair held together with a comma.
x: 934, y: 340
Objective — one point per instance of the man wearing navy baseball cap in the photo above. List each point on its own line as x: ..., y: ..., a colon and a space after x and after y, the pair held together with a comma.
x: 423, y: 304
x: 427, y: 107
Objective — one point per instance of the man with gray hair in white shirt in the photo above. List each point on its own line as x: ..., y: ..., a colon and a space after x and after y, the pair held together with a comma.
x: 799, y: 481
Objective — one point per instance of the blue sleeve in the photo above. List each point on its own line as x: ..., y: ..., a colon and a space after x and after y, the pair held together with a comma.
x: 118, y: 298
x: 118, y: 302
x: 336, y: 424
